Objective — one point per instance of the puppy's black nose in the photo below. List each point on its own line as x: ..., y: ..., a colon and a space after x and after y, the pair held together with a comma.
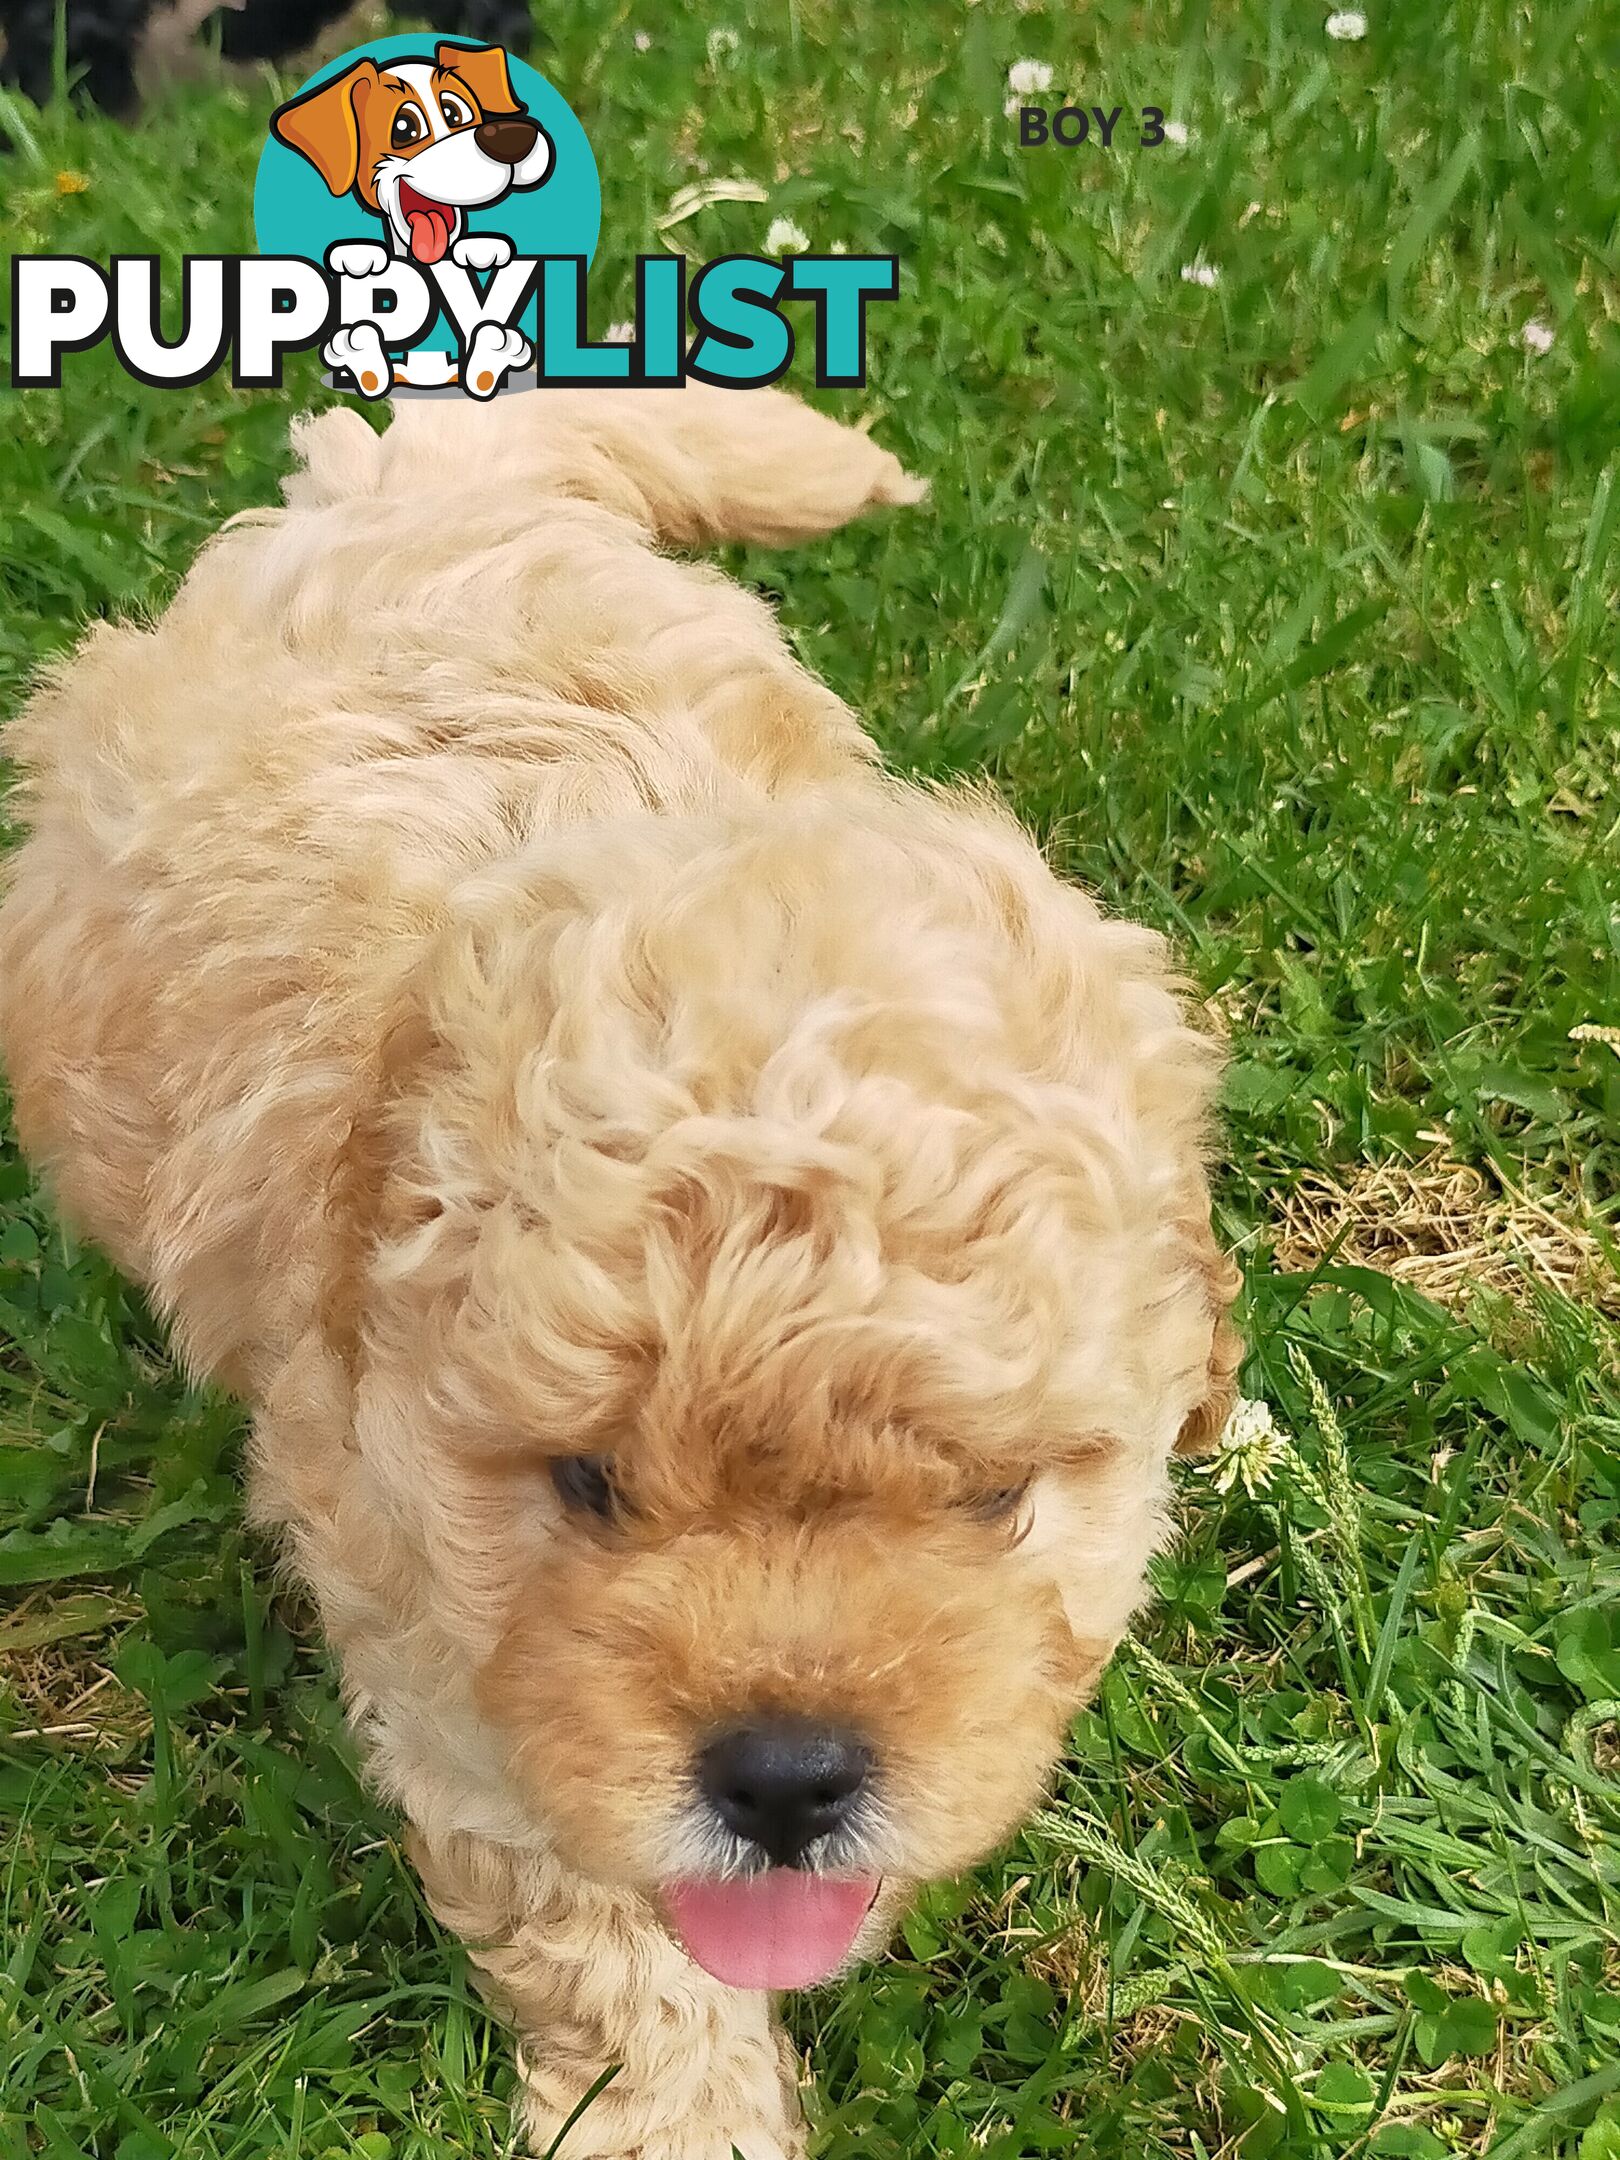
x: 783, y: 1784
x: 508, y: 137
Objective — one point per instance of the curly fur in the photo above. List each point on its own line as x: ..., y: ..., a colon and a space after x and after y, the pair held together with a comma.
x: 486, y: 988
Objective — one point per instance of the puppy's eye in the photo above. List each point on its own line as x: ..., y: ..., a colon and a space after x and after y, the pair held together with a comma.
x: 455, y: 112
x: 584, y: 1484
x: 1000, y: 1505
x: 408, y: 127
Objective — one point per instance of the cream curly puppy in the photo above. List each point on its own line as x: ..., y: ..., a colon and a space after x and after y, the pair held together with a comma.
x: 715, y: 1239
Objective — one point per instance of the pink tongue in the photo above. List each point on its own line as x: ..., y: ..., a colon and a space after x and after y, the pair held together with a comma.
x: 430, y: 233
x: 783, y: 1929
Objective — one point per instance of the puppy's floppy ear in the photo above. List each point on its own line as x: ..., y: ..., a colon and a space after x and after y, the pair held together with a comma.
x: 1223, y: 1279
x: 357, y: 1200
x: 483, y: 69
x: 324, y: 124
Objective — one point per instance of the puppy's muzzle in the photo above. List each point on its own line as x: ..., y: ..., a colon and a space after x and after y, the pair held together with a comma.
x: 506, y: 137
x: 782, y: 1785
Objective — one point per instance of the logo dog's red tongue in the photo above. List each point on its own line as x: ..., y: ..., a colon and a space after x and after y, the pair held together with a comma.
x: 431, y: 225
x: 783, y: 1929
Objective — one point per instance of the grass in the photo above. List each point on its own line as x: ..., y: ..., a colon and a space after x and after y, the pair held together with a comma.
x: 1283, y: 607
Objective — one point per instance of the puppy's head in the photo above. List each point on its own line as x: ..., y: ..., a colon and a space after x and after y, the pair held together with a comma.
x: 788, y: 1296
x: 420, y: 142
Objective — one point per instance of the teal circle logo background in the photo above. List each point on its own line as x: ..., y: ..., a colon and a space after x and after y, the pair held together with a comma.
x: 294, y: 213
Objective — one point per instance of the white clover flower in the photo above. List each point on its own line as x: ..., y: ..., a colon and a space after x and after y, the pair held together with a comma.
x: 642, y: 41
x: 723, y: 44
x: 1199, y: 272
x: 839, y: 247
x: 786, y: 238
x: 1026, y: 77
x: 1175, y: 131
x: 1251, y: 1450
x: 1537, y: 337
x: 1347, y: 25
x: 619, y: 333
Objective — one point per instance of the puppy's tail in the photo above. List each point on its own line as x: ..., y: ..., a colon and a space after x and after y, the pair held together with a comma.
x: 697, y: 465
x: 756, y: 465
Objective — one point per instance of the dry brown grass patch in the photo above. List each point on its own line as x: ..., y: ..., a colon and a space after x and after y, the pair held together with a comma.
x: 56, y: 1686
x: 1447, y: 1228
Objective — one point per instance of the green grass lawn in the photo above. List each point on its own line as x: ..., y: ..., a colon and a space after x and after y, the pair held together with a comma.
x: 1283, y: 606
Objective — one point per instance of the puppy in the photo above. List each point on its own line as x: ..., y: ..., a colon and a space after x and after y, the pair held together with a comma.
x: 715, y: 1239
x: 110, y: 47
x: 420, y: 142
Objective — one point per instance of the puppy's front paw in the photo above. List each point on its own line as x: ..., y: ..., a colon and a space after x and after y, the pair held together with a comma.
x: 679, y: 2143
x: 357, y: 258
x: 482, y: 251
x: 357, y: 349
x: 638, y: 2124
x: 491, y: 356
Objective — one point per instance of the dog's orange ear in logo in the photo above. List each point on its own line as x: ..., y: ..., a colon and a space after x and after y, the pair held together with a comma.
x: 324, y: 125
x: 485, y: 73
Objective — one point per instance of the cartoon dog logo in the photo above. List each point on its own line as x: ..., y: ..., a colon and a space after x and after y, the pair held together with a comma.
x: 419, y: 143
